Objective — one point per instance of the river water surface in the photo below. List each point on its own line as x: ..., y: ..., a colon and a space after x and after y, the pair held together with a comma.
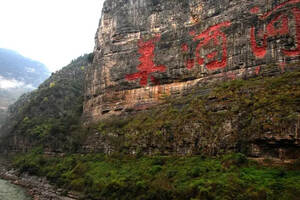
x: 9, y: 191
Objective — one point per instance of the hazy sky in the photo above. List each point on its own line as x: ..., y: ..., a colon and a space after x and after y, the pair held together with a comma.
x: 51, y: 31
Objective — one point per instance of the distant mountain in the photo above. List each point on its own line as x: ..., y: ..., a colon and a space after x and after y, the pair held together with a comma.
x: 20, y: 71
x: 18, y: 75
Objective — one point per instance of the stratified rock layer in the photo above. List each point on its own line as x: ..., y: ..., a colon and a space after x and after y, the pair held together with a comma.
x: 147, y: 49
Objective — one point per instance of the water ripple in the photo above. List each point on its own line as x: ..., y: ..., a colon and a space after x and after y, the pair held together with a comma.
x: 9, y: 191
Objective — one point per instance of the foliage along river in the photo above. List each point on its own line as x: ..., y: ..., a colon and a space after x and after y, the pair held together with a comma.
x: 9, y: 191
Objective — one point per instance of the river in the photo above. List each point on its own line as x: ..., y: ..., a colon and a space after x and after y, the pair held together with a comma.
x: 9, y: 191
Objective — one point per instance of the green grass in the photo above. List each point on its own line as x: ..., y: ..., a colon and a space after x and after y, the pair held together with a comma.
x: 231, y: 176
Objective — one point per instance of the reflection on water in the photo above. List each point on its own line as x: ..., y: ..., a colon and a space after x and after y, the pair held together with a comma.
x: 9, y: 191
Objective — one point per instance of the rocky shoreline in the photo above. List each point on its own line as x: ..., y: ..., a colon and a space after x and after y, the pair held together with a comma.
x: 38, y: 188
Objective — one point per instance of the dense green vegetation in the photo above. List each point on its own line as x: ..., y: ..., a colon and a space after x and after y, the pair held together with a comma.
x: 212, y: 121
x: 230, y: 176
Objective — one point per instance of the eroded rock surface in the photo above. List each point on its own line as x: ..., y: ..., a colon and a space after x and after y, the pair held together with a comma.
x: 147, y: 49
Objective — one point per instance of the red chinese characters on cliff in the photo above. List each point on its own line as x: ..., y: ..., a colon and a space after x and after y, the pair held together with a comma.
x: 277, y: 26
x: 147, y: 66
x: 213, y: 36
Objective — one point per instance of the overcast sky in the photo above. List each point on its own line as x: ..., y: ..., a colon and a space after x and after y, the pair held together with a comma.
x: 51, y: 31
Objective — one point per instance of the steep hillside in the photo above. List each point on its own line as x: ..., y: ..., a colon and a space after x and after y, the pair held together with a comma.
x: 48, y: 115
x: 259, y: 117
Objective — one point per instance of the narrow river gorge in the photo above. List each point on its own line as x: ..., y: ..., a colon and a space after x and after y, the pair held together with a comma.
x: 9, y: 191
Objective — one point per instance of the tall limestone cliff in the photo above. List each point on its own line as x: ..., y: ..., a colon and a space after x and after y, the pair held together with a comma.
x: 148, y: 49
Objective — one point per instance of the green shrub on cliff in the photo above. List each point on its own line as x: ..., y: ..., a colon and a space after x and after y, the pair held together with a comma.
x: 219, y: 121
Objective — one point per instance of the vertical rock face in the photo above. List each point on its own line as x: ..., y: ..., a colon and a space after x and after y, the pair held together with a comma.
x: 146, y: 49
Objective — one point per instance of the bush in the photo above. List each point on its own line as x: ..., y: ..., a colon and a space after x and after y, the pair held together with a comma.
x: 237, y: 159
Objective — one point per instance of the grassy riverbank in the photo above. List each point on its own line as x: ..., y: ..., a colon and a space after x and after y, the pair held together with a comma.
x: 121, y: 177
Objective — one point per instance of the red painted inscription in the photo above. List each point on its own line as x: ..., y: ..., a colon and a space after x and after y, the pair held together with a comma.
x: 212, y: 35
x: 278, y: 26
x: 147, y: 66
